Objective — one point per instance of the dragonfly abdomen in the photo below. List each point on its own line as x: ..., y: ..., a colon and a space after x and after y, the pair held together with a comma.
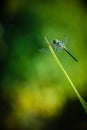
x: 70, y: 54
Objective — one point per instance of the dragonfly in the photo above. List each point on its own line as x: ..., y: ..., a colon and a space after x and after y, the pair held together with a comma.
x: 57, y: 44
x: 60, y: 44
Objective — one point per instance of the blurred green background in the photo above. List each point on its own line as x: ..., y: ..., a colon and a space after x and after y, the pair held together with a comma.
x: 34, y: 93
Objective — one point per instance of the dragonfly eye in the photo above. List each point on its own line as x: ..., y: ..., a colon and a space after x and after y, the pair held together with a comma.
x: 55, y: 41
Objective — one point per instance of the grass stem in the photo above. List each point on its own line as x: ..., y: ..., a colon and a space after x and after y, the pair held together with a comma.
x: 83, y: 102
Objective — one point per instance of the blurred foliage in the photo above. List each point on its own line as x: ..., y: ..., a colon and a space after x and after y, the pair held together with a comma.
x: 32, y: 86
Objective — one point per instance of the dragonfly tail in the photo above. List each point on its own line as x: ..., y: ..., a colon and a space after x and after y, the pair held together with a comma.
x: 70, y: 54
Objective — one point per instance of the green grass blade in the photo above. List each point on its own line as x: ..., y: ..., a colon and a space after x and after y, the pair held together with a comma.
x: 83, y: 102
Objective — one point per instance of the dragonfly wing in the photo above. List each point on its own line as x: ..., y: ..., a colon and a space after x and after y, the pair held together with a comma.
x: 44, y: 50
x: 66, y: 38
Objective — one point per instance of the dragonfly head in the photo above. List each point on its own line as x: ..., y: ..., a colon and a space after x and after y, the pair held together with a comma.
x: 55, y: 41
x: 58, y: 43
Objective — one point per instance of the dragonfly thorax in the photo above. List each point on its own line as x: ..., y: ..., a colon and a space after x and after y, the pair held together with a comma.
x: 60, y: 44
